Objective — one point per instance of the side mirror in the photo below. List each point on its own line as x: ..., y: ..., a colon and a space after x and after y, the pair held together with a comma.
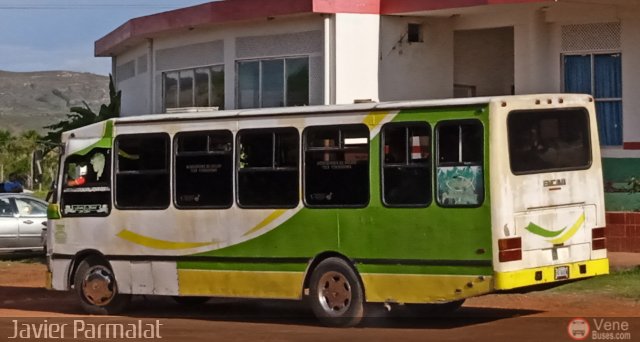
x: 51, y: 191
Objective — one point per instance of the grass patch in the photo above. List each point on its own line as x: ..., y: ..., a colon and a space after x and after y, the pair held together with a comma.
x: 622, y: 283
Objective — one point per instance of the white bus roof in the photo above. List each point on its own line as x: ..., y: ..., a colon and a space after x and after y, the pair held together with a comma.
x: 199, y: 114
x: 321, y: 109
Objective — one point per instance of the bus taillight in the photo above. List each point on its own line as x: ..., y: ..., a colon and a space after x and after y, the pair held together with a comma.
x: 510, y: 249
x: 598, y: 239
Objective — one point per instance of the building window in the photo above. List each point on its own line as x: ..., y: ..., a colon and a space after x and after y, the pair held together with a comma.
x: 204, y: 169
x: 336, y: 166
x: 142, y: 171
x: 273, y: 82
x: 268, y: 168
x: 406, y: 165
x: 200, y: 87
x: 601, y: 76
x: 459, y: 170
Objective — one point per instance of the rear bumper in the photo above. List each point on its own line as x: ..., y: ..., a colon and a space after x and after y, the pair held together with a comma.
x: 546, y: 274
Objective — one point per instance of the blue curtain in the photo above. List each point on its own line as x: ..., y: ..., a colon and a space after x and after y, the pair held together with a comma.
x: 608, y: 72
x: 607, y: 84
x: 577, y: 74
x: 609, y: 122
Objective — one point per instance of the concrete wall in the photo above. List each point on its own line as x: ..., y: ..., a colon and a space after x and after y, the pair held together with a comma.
x: 421, y: 70
x: 280, y: 37
x: 631, y: 74
x: 133, y: 78
x: 532, y: 65
x: 625, y: 12
x: 356, y: 57
x: 484, y: 59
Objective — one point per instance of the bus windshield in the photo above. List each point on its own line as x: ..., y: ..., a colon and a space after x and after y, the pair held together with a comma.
x: 549, y: 140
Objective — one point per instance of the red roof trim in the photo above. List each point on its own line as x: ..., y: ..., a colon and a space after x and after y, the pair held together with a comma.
x: 209, y: 13
x: 347, y: 6
x: 137, y: 29
x: 406, y: 6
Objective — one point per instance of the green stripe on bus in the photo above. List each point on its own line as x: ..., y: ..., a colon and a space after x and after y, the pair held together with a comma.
x: 429, y: 233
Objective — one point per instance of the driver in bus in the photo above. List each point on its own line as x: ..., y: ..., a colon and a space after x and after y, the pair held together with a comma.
x: 78, y: 176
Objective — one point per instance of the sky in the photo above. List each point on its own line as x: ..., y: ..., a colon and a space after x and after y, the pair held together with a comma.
x: 38, y: 35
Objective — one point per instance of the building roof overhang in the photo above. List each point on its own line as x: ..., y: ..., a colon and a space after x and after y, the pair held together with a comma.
x: 137, y: 30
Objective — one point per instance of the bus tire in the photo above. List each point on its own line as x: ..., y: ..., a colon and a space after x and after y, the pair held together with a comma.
x: 97, y: 289
x: 335, y: 294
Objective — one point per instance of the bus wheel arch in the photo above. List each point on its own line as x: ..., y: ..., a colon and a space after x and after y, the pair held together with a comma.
x: 335, y: 291
x: 96, y: 286
x: 77, y: 259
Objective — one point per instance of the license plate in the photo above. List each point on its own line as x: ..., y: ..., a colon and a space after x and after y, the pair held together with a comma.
x: 562, y: 272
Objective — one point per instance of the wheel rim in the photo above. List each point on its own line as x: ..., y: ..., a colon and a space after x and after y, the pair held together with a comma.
x: 334, y: 293
x: 99, y: 286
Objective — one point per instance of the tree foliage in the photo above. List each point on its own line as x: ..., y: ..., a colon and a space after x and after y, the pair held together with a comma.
x: 83, y: 116
x: 15, y: 155
x: 16, y: 151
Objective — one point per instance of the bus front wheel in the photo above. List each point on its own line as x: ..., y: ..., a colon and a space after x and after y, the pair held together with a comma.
x: 97, y: 289
x: 335, y: 294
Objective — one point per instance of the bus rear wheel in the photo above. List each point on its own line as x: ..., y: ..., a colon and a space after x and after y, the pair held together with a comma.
x: 97, y: 289
x: 335, y: 294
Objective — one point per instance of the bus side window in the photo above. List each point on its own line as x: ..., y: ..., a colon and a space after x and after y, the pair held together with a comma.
x: 460, y: 176
x: 204, y: 169
x: 142, y: 171
x: 406, y: 164
x: 336, y: 166
x: 268, y: 168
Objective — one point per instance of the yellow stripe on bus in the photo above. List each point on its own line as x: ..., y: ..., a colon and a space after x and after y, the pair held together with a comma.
x: 423, y: 288
x: 157, y: 243
x: 527, y: 277
x: 246, y: 284
x: 273, y: 216
x: 572, y: 231
x: 374, y: 119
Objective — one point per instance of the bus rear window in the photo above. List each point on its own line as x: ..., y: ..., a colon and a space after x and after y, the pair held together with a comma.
x: 549, y: 140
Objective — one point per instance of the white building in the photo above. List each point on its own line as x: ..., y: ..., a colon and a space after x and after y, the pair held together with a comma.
x: 265, y: 53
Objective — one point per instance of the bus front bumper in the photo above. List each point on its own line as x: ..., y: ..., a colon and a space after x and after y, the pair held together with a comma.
x: 550, y: 274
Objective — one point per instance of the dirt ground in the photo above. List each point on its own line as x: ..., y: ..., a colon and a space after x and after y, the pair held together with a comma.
x: 533, y: 316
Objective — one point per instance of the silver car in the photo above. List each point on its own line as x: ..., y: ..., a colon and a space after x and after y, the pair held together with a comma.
x: 22, y: 220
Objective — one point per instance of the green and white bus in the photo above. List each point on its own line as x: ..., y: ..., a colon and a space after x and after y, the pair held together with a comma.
x: 402, y: 202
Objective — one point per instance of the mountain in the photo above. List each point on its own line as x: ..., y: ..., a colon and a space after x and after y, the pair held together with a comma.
x: 32, y: 100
